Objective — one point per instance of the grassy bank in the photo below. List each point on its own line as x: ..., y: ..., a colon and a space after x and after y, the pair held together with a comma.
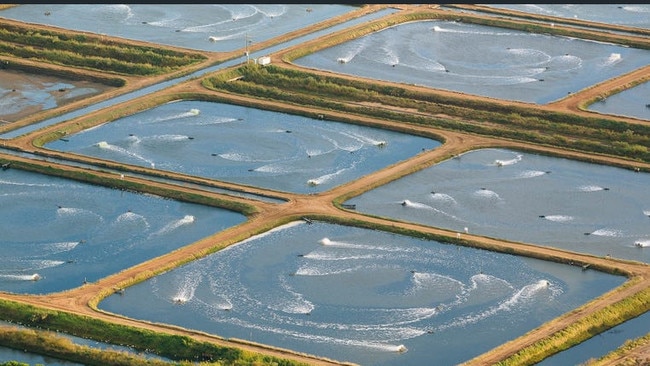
x: 600, y: 135
x: 126, y: 185
x: 618, y: 354
x: 51, y: 344
x: 582, y: 330
x: 64, y: 73
x: 92, y: 52
x: 174, y: 347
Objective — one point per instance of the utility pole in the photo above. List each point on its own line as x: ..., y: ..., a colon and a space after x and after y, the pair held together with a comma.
x: 248, y: 40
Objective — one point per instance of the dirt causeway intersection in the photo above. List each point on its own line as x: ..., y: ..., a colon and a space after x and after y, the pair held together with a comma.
x: 323, y: 205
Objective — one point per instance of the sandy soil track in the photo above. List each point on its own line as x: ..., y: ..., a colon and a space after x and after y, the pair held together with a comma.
x: 77, y: 300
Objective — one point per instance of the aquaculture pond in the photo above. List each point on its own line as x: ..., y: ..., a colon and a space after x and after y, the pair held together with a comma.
x: 631, y: 15
x: 246, y: 145
x: 601, y: 344
x: 363, y: 296
x: 10, y: 354
x: 480, y: 60
x: 209, y: 27
x: 23, y: 93
x: 537, y: 199
x: 58, y: 233
x: 7, y: 353
x: 633, y: 102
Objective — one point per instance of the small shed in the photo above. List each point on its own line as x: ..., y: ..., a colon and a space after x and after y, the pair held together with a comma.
x: 264, y: 60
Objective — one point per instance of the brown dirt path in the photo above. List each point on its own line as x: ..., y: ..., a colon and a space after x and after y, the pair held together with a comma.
x: 77, y: 300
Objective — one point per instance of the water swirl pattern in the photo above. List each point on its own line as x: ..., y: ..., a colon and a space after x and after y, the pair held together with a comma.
x: 631, y: 15
x: 360, y: 295
x: 480, y: 60
x: 210, y: 27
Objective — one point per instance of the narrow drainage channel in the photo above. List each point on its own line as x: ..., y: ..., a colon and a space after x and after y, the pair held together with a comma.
x: 203, y: 187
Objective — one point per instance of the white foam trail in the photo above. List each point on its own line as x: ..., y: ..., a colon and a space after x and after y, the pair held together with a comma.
x: 636, y: 9
x: 38, y: 264
x: 342, y: 244
x: 186, y: 289
x: 130, y: 217
x: 486, y: 280
x: 337, y: 257
x: 164, y: 22
x: 500, y: 80
x: 522, y: 296
x: 32, y: 277
x: 315, y: 271
x: 346, y: 245
x: 590, y: 188
x: 364, y: 139
x: 72, y: 211
x: 245, y: 11
x: 443, y: 197
x: 387, y: 323
x: 120, y: 9
x: 531, y: 174
x: 542, y: 10
x: 236, y: 157
x: 327, y: 241
x: 60, y: 247
x: 508, y: 162
x: 533, y: 56
x: 186, y: 220
x: 350, y: 148
x: 376, y: 345
x: 278, y: 168
x: 378, y: 341
x: 105, y: 145
x: 486, y: 193
x: 427, y: 281
x: 311, y: 152
x: 353, y: 52
x: 558, y: 218
x: 613, y: 59
x: 642, y: 243
x: 169, y: 137
x: 391, y: 58
x: 213, y: 38
x: 31, y: 184
x: 565, y: 63
x: 447, y: 30
x: 425, y: 64
x: 325, y: 178
x: 224, y: 304
x: 607, y: 232
x: 424, y: 206
x: 271, y: 11
x: 204, y: 28
x: 191, y: 113
x: 418, y: 205
x: 216, y: 121
x: 133, y: 139
x: 646, y: 212
x: 297, y: 304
